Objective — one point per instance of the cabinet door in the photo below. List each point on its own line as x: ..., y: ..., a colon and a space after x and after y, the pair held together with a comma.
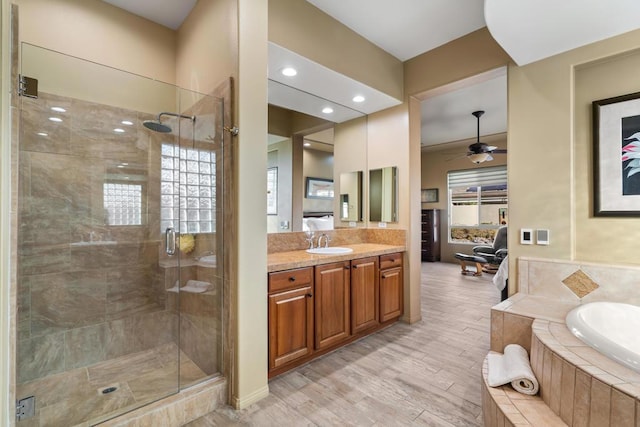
x: 364, y: 294
x: 390, y: 293
x: 290, y: 326
x: 332, y: 303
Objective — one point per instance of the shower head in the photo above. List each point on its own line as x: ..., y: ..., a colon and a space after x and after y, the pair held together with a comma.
x: 157, y: 126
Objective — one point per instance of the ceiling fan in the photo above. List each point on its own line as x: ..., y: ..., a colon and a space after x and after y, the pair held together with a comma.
x: 479, y: 151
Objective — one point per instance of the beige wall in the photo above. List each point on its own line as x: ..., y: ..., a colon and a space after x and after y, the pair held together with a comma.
x: 467, y: 56
x: 557, y: 93
x: 350, y: 155
x: 302, y: 28
x: 207, y: 46
x: 599, y: 239
x: 435, y: 166
x: 96, y: 31
x: 250, y: 382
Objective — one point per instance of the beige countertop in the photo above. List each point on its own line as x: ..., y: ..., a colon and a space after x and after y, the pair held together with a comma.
x: 279, y: 261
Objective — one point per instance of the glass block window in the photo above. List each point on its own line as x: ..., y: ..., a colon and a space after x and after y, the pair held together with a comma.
x: 123, y: 203
x: 187, y: 189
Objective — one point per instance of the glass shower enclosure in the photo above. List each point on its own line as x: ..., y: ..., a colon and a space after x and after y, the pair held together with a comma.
x: 119, y: 240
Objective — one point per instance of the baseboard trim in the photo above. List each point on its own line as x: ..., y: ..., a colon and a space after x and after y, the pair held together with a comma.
x: 241, y: 403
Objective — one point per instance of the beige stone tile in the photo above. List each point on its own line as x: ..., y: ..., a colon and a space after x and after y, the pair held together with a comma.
x: 556, y: 383
x: 600, y: 410
x: 567, y: 391
x: 39, y: 357
x: 622, y: 409
x: 84, y: 346
x: 545, y: 279
x: 545, y: 385
x: 538, y: 414
x: 582, y: 399
x: 535, y: 361
x: 497, y: 326
x: 517, y: 330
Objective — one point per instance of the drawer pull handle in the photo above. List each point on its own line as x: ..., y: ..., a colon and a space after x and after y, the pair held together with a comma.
x: 384, y: 276
x: 309, y: 295
x: 292, y: 279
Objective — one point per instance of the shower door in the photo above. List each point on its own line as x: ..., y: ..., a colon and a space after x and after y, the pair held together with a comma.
x: 116, y: 307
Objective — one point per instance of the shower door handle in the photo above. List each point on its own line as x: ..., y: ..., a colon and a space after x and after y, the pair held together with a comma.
x: 170, y: 241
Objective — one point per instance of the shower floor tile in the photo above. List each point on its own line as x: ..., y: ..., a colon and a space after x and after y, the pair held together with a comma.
x: 75, y: 397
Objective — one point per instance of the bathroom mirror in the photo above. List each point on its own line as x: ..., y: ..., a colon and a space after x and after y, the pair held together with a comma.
x: 303, y: 146
x: 350, y: 204
x: 383, y: 194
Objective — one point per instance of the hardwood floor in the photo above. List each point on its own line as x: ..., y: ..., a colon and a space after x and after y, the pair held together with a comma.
x: 426, y: 374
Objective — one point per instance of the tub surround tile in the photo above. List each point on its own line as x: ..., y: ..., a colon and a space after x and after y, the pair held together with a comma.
x: 580, y: 284
x: 556, y: 383
x: 582, y: 399
x: 517, y: 330
x: 600, y: 407
x: 622, y: 410
x: 497, y: 325
x: 567, y: 392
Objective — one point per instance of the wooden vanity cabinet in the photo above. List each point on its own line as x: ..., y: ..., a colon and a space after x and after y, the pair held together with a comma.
x: 391, y: 283
x: 290, y: 316
x: 364, y: 294
x: 332, y: 308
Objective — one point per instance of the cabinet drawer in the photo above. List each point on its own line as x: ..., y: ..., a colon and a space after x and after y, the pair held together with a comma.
x: 391, y: 260
x: 290, y: 279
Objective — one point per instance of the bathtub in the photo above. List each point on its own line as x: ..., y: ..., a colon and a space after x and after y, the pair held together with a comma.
x: 611, y: 328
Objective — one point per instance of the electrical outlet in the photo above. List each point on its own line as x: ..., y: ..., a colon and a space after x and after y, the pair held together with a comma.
x: 382, y: 225
x: 352, y: 223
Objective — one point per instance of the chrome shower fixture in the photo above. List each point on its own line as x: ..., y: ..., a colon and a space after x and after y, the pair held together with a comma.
x: 157, y: 126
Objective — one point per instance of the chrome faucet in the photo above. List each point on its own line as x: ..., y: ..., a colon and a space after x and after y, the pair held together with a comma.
x: 309, y: 238
x: 327, y: 239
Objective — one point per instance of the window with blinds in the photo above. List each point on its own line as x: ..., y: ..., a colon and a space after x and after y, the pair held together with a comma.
x: 477, y: 204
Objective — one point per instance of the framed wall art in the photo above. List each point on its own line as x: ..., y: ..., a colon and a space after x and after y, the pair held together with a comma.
x: 616, y: 156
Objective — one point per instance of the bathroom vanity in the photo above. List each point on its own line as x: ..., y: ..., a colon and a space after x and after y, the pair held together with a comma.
x: 318, y: 303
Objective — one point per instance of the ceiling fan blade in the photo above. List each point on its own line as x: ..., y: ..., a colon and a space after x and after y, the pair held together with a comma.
x: 499, y: 151
x: 491, y: 148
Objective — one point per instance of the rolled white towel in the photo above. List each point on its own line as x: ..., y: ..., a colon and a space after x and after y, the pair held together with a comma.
x: 512, y: 367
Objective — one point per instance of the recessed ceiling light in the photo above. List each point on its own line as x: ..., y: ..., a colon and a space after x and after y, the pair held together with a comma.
x: 118, y: 130
x: 289, y: 71
x: 358, y: 98
x: 58, y: 109
x: 124, y: 164
x: 327, y: 110
x: 306, y: 144
x: 43, y: 134
x: 55, y: 119
x: 127, y: 122
x: 120, y: 166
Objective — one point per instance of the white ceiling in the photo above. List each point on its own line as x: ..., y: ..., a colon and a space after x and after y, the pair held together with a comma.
x: 528, y: 30
x: 537, y: 29
x: 407, y: 28
x: 170, y: 13
x: 446, y: 113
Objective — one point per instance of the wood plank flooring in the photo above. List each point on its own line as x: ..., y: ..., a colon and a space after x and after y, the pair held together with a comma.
x: 425, y: 374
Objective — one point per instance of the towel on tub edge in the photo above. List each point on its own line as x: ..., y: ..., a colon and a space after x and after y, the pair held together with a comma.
x: 512, y: 367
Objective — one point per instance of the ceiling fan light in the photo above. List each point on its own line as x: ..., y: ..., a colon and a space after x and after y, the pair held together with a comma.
x: 478, y: 157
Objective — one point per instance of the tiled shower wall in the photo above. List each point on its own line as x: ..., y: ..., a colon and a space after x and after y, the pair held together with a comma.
x: 79, y: 304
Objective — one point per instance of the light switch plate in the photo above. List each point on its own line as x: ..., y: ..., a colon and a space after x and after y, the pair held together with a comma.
x: 526, y: 236
x: 542, y: 237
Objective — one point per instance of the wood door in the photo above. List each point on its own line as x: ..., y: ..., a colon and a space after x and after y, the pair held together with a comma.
x: 390, y: 293
x: 290, y: 326
x: 332, y: 304
x: 364, y: 294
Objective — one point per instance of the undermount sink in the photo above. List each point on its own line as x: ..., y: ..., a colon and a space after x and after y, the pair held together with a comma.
x: 333, y: 250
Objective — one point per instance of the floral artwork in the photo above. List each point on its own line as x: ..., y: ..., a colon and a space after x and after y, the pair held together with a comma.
x: 616, y: 156
x: 631, y: 155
